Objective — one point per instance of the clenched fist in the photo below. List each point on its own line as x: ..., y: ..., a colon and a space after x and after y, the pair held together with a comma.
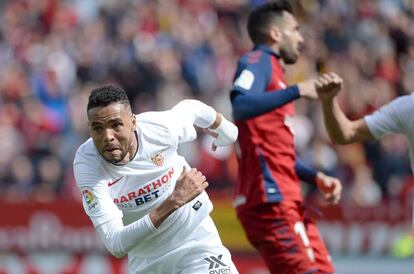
x: 328, y: 85
x: 189, y: 185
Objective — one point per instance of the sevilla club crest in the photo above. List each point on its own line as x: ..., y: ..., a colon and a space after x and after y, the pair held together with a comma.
x: 158, y: 159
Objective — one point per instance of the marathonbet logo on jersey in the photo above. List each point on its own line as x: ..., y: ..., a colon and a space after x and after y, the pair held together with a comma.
x: 147, y: 193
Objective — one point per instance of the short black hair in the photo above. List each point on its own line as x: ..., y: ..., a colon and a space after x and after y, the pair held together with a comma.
x: 261, y: 17
x: 106, y: 95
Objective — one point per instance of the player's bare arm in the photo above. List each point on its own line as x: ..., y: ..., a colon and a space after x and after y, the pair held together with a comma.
x: 217, y: 122
x: 190, y: 184
x: 341, y: 130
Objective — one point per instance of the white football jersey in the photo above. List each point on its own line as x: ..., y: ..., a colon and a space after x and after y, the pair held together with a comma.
x: 395, y: 117
x: 133, y: 190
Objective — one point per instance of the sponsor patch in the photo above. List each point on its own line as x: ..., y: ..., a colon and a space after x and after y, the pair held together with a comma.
x: 216, y: 265
x: 147, y: 193
x: 92, y: 204
x: 245, y: 80
x: 197, y: 205
x: 111, y: 183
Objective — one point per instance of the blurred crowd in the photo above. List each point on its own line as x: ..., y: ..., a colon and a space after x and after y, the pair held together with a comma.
x: 53, y: 53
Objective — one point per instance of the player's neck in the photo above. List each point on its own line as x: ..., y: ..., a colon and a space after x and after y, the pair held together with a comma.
x: 134, y: 147
x: 272, y: 45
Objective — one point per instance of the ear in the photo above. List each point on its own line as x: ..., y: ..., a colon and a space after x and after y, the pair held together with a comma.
x: 134, y: 122
x: 275, y: 34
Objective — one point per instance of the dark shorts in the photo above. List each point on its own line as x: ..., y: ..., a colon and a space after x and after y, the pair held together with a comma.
x: 288, y: 241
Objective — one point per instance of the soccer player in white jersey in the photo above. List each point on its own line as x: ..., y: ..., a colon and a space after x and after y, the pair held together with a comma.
x: 394, y: 117
x: 142, y: 197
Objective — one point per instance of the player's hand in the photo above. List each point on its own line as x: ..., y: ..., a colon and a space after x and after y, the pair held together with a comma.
x: 328, y: 85
x: 307, y: 89
x: 189, y: 185
x: 330, y: 187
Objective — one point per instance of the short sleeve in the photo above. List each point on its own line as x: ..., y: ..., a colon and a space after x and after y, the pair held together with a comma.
x: 389, y: 118
x: 182, y: 126
x: 167, y: 127
x: 96, y: 200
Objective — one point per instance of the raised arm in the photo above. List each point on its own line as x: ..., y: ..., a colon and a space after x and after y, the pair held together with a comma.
x: 204, y: 116
x: 197, y: 113
x: 341, y: 130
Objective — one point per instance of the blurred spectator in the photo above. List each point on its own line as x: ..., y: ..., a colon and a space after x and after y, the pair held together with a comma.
x: 364, y: 190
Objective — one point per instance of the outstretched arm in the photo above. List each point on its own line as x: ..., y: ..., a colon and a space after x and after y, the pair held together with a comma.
x: 248, y: 105
x: 249, y: 95
x: 341, y: 130
x: 256, y: 102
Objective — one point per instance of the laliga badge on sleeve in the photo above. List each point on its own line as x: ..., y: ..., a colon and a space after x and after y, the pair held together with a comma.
x: 91, y: 203
x: 245, y: 80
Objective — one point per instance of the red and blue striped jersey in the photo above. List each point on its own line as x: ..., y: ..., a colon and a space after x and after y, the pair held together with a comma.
x: 262, y: 107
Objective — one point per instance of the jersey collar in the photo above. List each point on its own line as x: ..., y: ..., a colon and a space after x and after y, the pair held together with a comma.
x: 267, y: 49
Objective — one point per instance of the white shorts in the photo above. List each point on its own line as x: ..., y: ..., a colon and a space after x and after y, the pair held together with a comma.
x: 201, y: 253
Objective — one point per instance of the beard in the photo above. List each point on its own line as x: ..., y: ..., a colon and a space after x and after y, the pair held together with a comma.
x: 115, y: 160
x: 289, y: 57
x: 125, y: 152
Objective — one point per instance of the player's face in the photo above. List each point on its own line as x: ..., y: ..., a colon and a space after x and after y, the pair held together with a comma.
x: 292, y: 41
x: 112, y: 129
